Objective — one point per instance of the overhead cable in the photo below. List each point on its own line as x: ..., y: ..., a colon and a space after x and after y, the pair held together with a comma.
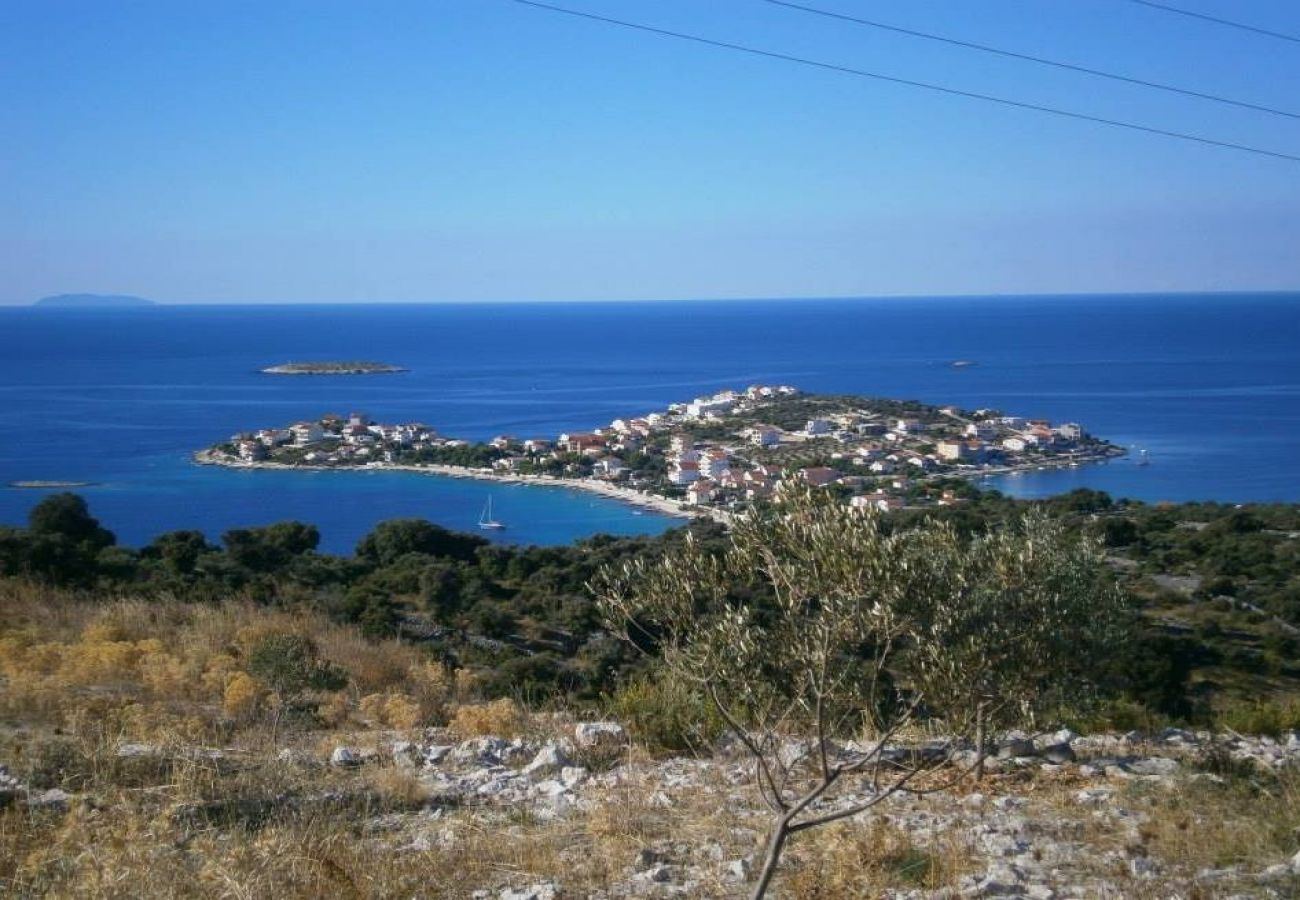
x: 1218, y: 21
x: 1011, y: 54
x: 937, y: 88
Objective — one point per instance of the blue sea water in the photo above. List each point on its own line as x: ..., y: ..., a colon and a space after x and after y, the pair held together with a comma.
x: 1208, y: 384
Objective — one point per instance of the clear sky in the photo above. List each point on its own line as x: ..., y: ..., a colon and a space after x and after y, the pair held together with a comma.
x: 442, y: 150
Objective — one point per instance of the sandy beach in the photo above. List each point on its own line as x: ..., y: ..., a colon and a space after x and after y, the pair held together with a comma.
x: 661, y: 505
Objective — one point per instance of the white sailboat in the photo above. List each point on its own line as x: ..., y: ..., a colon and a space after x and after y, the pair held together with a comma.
x: 485, y: 520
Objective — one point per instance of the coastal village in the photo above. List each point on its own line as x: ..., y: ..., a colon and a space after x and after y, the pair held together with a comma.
x: 713, y: 455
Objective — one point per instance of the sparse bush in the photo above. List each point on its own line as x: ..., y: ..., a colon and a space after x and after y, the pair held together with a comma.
x: 667, y: 715
x: 1269, y: 717
x: 502, y: 718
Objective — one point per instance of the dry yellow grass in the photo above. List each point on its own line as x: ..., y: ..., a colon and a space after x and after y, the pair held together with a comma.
x: 79, y: 678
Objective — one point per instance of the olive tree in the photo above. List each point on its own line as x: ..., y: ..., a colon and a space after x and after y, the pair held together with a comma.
x: 853, y: 662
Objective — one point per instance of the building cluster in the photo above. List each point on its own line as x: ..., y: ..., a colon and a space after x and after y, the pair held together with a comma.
x: 874, y: 459
x: 335, y: 440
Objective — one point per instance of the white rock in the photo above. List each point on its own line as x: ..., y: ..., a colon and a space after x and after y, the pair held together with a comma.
x: 1295, y: 863
x: 1153, y: 765
x: 436, y: 753
x: 658, y: 874
x: 1142, y: 867
x: 548, y: 760
x: 1093, y: 796
x: 572, y: 776
x: 406, y: 755
x: 738, y: 870
x: 547, y: 890
x: 53, y: 799
x: 480, y: 751
x: 345, y: 756
x: 600, y: 734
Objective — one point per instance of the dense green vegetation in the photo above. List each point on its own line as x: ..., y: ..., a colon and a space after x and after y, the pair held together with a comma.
x: 1219, y: 586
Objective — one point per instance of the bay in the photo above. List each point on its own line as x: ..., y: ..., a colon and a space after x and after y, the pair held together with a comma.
x: 1209, y: 385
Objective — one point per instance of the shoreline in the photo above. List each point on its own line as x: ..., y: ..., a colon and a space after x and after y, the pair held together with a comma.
x: 629, y: 496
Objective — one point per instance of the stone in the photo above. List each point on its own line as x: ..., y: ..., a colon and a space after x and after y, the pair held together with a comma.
x: 406, y: 755
x: 1017, y: 747
x: 546, y: 890
x: 1152, y: 765
x: 1295, y: 863
x: 1142, y: 867
x: 1093, y: 796
x: 738, y: 870
x: 549, y: 759
x: 998, y: 881
x: 480, y: 751
x: 647, y: 857
x: 345, y: 757
x: 600, y: 735
x: 436, y: 753
x: 572, y: 776
x: 1057, y: 753
x: 656, y: 874
x: 53, y: 800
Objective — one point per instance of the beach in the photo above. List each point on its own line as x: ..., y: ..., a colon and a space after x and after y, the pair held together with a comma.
x: 630, y: 496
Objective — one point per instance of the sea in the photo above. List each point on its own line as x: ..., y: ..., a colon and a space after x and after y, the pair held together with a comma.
x: 1207, y: 385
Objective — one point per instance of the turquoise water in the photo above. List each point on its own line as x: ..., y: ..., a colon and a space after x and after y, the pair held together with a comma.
x: 1210, y: 385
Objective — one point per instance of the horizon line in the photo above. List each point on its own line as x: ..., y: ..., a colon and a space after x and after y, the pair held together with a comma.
x: 676, y: 300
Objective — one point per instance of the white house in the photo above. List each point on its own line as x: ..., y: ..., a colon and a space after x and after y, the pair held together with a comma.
x: 817, y: 427
x: 611, y: 467
x: 306, y: 433
x: 765, y: 436
x: 701, y: 492
x: 684, y: 473
x: 714, y: 463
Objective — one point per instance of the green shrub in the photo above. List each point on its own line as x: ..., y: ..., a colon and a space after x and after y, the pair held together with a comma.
x: 1268, y: 717
x: 667, y: 716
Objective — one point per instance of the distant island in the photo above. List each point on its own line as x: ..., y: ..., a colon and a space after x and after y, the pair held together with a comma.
x: 348, y: 367
x: 94, y: 301
x: 50, y: 485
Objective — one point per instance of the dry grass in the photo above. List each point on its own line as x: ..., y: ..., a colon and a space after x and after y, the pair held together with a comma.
x: 78, y: 678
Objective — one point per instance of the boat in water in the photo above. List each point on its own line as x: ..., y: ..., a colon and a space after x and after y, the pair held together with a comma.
x: 485, y: 520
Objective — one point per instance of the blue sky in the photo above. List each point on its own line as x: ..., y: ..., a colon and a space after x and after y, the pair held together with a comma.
x: 317, y: 150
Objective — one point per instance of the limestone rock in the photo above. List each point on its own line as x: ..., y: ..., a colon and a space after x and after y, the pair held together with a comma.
x: 1152, y: 765
x: 546, y: 890
x: 1017, y: 747
x: 480, y: 751
x: 549, y: 759
x: 345, y: 757
x: 1057, y: 753
x: 602, y: 735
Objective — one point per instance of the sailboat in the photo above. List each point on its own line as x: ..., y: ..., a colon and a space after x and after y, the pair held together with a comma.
x: 1143, y: 458
x: 485, y: 520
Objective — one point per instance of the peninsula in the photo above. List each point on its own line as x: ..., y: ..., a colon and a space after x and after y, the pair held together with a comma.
x: 329, y: 367
x: 713, y: 456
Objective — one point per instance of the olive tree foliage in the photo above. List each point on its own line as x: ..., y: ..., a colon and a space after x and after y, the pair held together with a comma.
x: 841, y: 653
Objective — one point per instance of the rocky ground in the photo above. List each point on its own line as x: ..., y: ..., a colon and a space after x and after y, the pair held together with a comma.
x: 1058, y: 816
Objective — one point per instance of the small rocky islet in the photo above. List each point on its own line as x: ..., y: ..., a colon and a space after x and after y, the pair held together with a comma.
x: 333, y: 367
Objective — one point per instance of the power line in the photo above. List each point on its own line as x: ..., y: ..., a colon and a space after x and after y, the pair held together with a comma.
x: 1011, y: 54
x: 1216, y: 20
x: 937, y: 88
